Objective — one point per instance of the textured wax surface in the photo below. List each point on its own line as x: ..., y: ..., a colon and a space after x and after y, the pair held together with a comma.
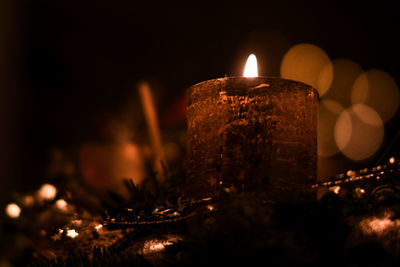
x: 251, y: 134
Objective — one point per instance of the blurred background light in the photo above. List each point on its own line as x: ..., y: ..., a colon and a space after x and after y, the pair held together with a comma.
x: 47, y: 192
x: 62, y: 205
x: 105, y: 166
x: 378, y: 90
x: 345, y: 73
x: 309, y: 64
x: 13, y: 210
x: 359, y: 132
x: 328, y: 113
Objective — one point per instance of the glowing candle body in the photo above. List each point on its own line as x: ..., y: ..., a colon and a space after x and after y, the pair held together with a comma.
x: 251, y: 134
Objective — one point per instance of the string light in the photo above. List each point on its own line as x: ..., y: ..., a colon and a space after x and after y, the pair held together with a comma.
x: 352, y: 176
x: 335, y: 189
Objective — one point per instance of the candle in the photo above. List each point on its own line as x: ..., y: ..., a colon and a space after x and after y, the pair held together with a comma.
x: 251, y: 133
x: 154, y: 131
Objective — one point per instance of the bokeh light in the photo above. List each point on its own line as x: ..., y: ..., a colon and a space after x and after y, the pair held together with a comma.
x: 328, y: 113
x: 309, y: 64
x: 47, y: 192
x: 28, y: 200
x: 62, y: 205
x: 105, y: 167
x: 378, y: 90
x: 13, y: 210
x: 346, y: 73
x: 359, y: 132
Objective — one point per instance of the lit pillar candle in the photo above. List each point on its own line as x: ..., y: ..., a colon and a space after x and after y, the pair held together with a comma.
x: 251, y: 133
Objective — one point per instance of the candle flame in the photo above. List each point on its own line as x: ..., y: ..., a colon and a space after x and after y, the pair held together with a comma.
x: 251, y: 70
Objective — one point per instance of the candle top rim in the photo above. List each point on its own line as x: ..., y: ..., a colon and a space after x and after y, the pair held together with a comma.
x: 272, y: 78
x: 238, y: 85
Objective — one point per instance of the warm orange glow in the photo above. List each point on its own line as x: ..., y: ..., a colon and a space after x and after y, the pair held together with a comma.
x: 375, y: 225
x: 359, y: 132
x: 13, y: 210
x: 251, y: 69
x: 158, y: 245
x: 62, y: 205
x: 210, y: 207
x: 335, y: 189
x: 104, y: 167
x: 309, y: 64
x: 28, y: 200
x: 378, y: 90
x: 150, y: 114
x: 345, y: 74
x: 328, y: 112
x: 47, y: 192
x: 72, y: 233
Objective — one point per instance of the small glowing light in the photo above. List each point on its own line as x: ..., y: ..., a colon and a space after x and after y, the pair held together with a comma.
x: 47, y: 192
x: 351, y: 173
x: 98, y: 227
x: 60, y: 231
x: 251, y: 69
x: 157, y: 245
x: 359, y: 191
x: 13, y: 210
x: 72, y: 233
x: 62, y: 205
x: 392, y: 160
x: 210, y: 207
x: 28, y: 201
x: 175, y: 213
x: 335, y: 189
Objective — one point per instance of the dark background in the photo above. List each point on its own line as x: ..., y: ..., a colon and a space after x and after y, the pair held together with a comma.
x: 66, y: 65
